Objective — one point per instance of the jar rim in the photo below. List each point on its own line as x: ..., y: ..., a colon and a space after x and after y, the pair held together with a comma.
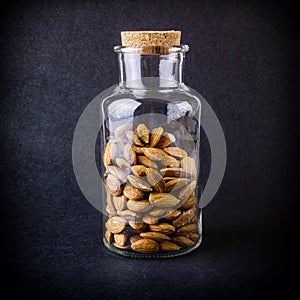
x: 152, y: 49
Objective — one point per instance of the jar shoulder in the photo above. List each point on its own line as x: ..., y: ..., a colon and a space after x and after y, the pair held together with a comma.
x: 182, y: 93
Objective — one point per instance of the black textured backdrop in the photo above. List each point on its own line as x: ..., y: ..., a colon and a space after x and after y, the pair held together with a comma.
x: 56, y: 56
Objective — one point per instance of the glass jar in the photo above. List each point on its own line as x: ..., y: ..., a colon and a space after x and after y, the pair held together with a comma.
x: 150, y: 156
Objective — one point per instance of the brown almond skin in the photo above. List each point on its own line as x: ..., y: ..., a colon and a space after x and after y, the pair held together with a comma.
x: 171, y: 162
x: 143, y: 132
x: 132, y: 193
x: 139, y: 183
x: 123, y: 164
x: 119, y: 202
x: 187, y: 190
x: 134, y: 238
x: 137, y: 226
x: 109, y: 236
x: 156, y: 180
x: 138, y: 206
x: 166, y: 140
x: 156, y: 134
x: 154, y: 153
x: 145, y: 246
x: 190, y: 202
x: 139, y: 170
x: 117, y: 172
x: 168, y: 246
x: 120, y: 238
x: 129, y: 154
x: 115, y: 224
x: 113, y: 185
x: 189, y: 165
x: 163, y: 228
x: 184, y: 218
x: 176, y: 152
x: 143, y: 160
x: 173, y: 172
x: 150, y: 219
x: 176, y: 184
x: 156, y: 236
x: 120, y: 132
x: 183, y: 241
x: 163, y: 200
x: 172, y: 215
x: 189, y: 228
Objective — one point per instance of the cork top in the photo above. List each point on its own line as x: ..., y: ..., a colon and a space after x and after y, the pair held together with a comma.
x: 150, y: 38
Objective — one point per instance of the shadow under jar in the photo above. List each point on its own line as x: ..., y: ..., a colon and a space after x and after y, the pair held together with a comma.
x: 150, y: 155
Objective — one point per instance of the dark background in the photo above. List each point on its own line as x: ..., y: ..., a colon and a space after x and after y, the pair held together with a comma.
x: 56, y: 56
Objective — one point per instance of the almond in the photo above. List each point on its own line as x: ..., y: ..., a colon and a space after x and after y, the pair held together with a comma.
x: 134, y: 238
x: 183, y: 241
x: 171, y: 162
x: 143, y: 132
x: 189, y: 228
x: 139, y: 183
x: 110, y: 153
x: 138, y: 206
x: 115, y: 224
x: 137, y: 226
x: 143, y: 160
x: 150, y: 219
x: 110, y: 204
x: 111, y: 212
x: 145, y: 246
x: 133, y: 138
x: 137, y: 150
x: 120, y: 132
x: 173, y: 172
x: 113, y: 185
x: 189, y: 166
x: 117, y: 172
x: 129, y: 154
x: 155, y: 180
x: 127, y: 214
x: 156, y: 212
x: 176, y: 152
x: 184, y: 218
x: 187, y: 190
x: 132, y: 192
x: 156, y: 134
x: 176, y: 184
x: 154, y: 153
x: 162, y: 227
x: 168, y: 246
x: 166, y: 140
x: 163, y: 200
x: 120, y: 238
x: 192, y: 236
x: 190, y: 202
x: 156, y: 236
x: 109, y: 236
x: 120, y: 202
x: 172, y: 215
x: 123, y: 164
x: 139, y: 170
x: 167, y: 179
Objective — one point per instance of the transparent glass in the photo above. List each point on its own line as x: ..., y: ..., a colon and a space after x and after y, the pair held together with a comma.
x: 150, y: 156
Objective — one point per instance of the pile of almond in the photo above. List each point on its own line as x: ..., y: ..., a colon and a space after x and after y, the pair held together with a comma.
x: 151, y: 187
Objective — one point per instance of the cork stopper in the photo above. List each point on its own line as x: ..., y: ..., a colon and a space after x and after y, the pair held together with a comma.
x: 151, y: 42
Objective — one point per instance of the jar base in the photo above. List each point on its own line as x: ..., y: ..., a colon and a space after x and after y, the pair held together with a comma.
x: 137, y: 255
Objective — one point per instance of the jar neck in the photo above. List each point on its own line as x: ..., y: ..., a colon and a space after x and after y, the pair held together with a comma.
x: 140, y: 71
